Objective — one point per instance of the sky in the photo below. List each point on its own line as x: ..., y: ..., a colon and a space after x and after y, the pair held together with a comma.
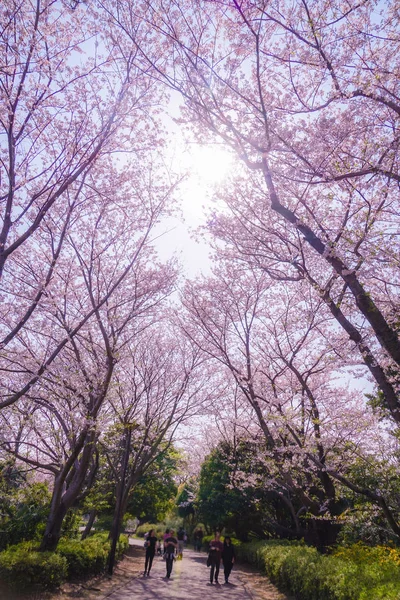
x: 205, y: 166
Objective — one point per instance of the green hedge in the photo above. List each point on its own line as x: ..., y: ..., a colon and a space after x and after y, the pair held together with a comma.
x: 354, y: 573
x: 23, y: 566
x: 146, y: 527
x: 90, y: 555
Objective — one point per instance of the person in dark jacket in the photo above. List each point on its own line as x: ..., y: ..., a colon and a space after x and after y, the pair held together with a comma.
x: 171, y: 545
x: 198, y: 539
x: 228, y: 557
x: 214, y: 557
x: 151, y: 542
x: 181, y: 541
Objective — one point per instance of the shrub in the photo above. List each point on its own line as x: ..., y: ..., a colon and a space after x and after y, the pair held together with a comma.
x: 173, y: 521
x: 84, y: 557
x: 23, y: 566
x: 71, y: 524
x: 22, y: 512
x: 122, y: 545
x: 89, y: 556
x: 146, y: 527
x: 354, y: 573
x: 104, y: 522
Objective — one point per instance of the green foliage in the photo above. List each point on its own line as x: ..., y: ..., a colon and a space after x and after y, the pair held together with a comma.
x: 185, y: 500
x: 23, y: 566
x: 23, y: 509
x: 90, y: 555
x: 173, y: 521
x: 218, y: 503
x: 122, y: 546
x: 153, y: 494
x: 240, y: 503
x: 364, y: 521
x: 146, y: 527
x: 84, y: 557
x: 355, y: 573
x: 70, y: 527
x: 104, y: 522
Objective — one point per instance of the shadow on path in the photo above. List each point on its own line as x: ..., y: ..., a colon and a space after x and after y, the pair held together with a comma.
x: 189, y: 580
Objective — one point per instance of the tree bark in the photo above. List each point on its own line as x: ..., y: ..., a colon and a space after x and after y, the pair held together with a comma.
x: 62, y: 500
x: 386, y: 336
x: 118, y: 513
x: 89, y: 524
x: 53, y: 528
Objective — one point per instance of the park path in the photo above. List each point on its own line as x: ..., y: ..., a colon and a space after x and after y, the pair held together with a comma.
x: 190, y: 581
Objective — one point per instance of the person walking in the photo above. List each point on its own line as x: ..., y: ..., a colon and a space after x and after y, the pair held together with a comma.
x: 181, y: 541
x: 198, y: 539
x: 151, y: 542
x: 214, y: 557
x: 165, y: 536
x: 170, y: 544
x: 160, y: 545
x: 228, y: 557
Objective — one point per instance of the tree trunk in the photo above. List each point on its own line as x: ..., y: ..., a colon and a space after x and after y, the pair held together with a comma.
x: 89, y: 524
x: 62, y: 499
x: 53, y: 528
x: 119, y: 504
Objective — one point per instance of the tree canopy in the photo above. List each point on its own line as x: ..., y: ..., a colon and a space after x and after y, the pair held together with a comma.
x: 283, y: 356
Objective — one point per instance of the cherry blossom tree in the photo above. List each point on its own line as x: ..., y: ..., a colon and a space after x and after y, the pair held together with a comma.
x: 283, y: 355
x: 306, y: 95
x: 110, y: 289
x: 159, y: 386
x: 73, y: 106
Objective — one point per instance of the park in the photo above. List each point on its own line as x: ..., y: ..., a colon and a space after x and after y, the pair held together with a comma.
x: 200, y: 298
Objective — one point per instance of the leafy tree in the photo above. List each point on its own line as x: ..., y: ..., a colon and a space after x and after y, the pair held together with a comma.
x: 153, y: 494
x: 237, y: 491
x: 24, y: 506
x: 185, y: 502
x: 220, y: 502
x: 363, y: 521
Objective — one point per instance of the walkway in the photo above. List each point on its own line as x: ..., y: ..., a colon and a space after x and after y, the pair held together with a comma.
x: 190, y: 581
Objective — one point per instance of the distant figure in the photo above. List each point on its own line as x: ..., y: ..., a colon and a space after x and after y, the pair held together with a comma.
x: 165, y: 536
x: 170, y: 544
x: 150, y: 543
x: 228, y: 557
x: 214, y: 557
x: 181, y: 541
x: 198, y: 539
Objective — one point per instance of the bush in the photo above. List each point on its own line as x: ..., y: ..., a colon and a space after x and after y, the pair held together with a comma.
x: 354, y: 573
x: 23, y: 566
x: 89, y: 556
x: 22, y: 512
x: 122, y: 546
x: 84, y: 557
x: 104, y: 522
x: 146, y: 527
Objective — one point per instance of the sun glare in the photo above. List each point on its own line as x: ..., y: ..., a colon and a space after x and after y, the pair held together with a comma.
x: 205, y: 167
x: 209, y: 164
